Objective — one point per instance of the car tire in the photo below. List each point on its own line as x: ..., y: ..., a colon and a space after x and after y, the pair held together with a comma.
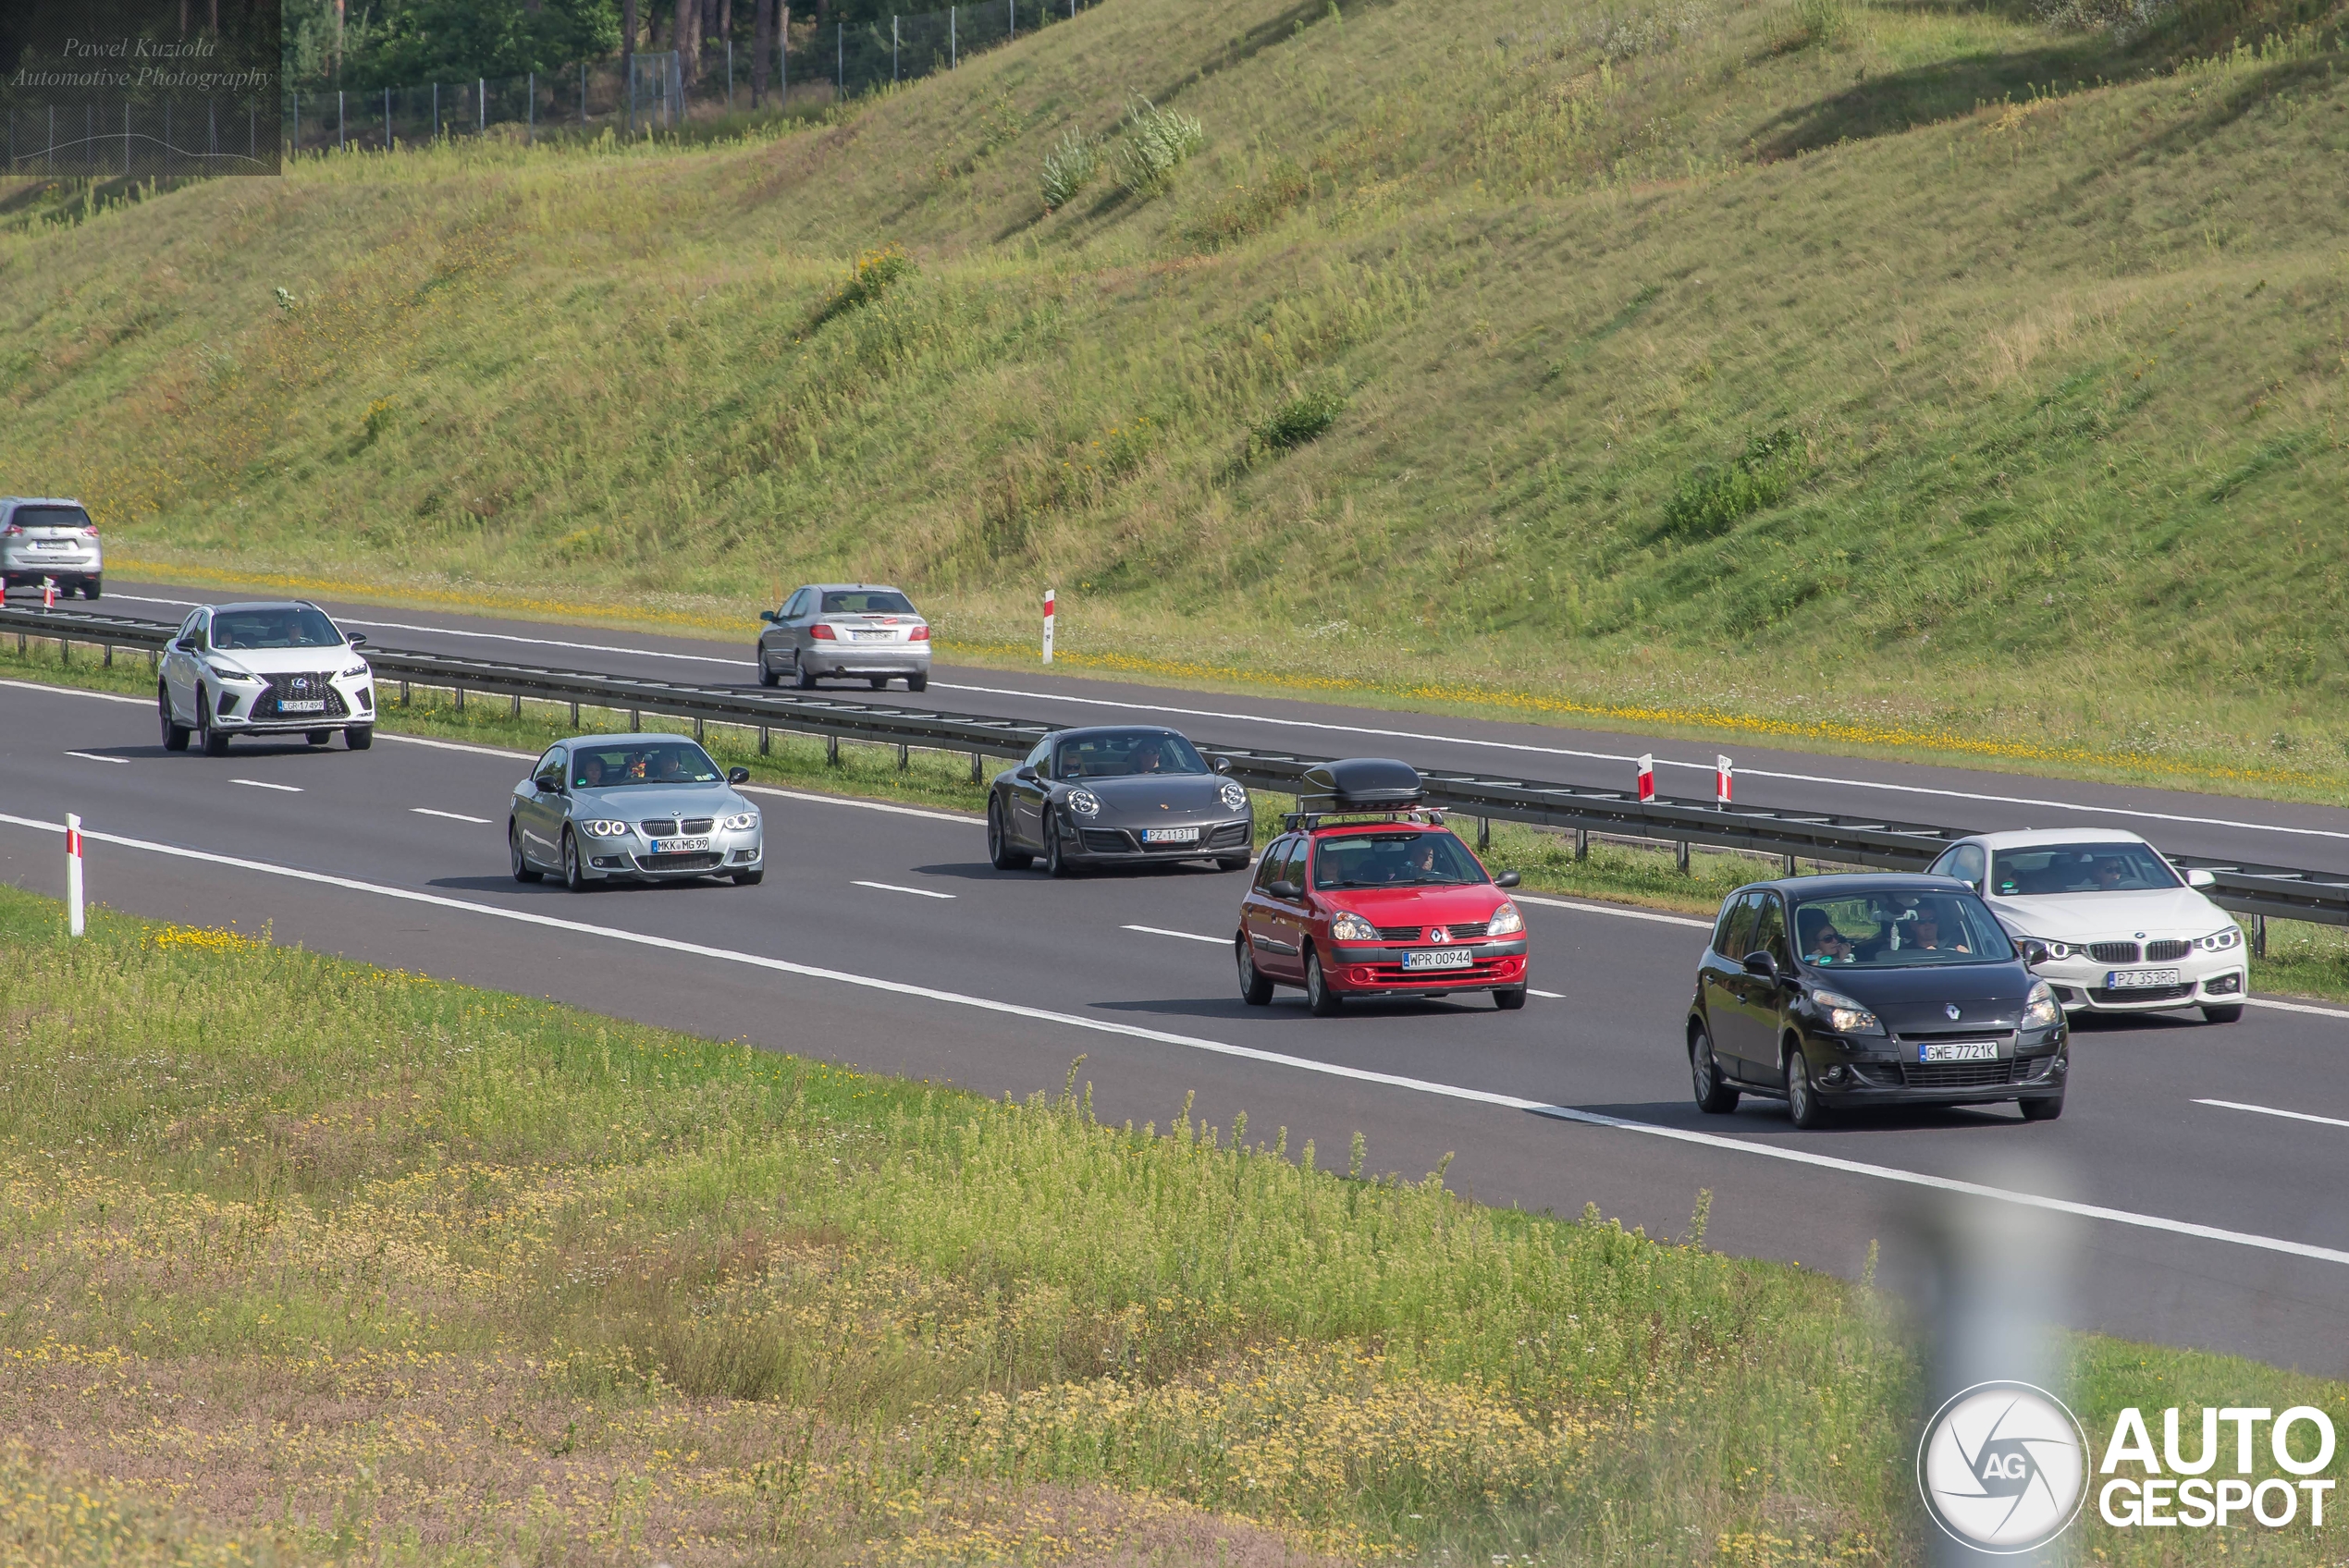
x: 918, y: 683
x: 90, y: 589
x: 317, y: 737
x: 879, y: 682
x: 175, y: 734
x: 801, y: 677
x: 1714, y: 1096
x: 2046, y: 1109
x: 523, y: 871
x: 750, y: 878
x: 1508, y: 999
x: 1232, y: 863
x: 2223, y: 1014
x: 1056, y: 861
x: 1000, y: 853
x: 1319, y: 999
x: 215, y: 743
x: 1255, y: 989
x: 575, y: 876
x: 1802, y: 1103
x: 767, y: 677
x: 359, y: 737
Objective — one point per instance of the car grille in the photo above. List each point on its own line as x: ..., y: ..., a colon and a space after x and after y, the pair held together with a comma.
x: 1480, y: 973
x: 315, y: 687
x: 692, y: 825
x: 2165, y: 952
x: 1936, y: 1074
x: 2113, y: 952
x: 1461, y: 931
x: 688, y: 860
x: 1230, y: 836
x: 1105, y: 840
x: 2142, y: 994
x: 669, y: 828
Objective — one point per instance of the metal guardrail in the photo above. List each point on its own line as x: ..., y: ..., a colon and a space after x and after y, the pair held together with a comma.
x: 2283, y: 892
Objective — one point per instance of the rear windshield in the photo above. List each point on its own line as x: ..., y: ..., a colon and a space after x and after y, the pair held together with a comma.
x: 868, y: 601
x: 1898, y: 931
x: 1394, y: 860
x: 293, y: 626
x: 642, y: 762
x: 50, y: 517
x: 2080, y: 868
x: 1123, y: 751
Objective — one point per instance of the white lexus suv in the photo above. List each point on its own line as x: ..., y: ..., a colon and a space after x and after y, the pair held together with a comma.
x: 2124, y: 932
x: 281, y: 669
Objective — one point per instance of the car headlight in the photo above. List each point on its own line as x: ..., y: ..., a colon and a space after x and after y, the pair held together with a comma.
x: 2054, y: 949
x: 1084, y: 803
x: 1846, y: 1016
x: 1507, y: 921
x: 2220, y: 941
x: 1235, y: 798
x: 741, y: 822
x: 1351, y: 927
x: 2042, y: 1010
x: 604, y: 827
x: 353, y: 673
x: 220, y: 674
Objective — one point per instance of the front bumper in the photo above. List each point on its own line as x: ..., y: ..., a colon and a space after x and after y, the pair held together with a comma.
x: 247, y: 708
x: 1868, y: 1071
x: 1378, y: 970
x: 1112, y: 846
x: 629, y: 859
x: 2216, y: 978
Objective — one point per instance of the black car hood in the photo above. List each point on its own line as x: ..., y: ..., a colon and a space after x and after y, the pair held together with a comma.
x: 1916, y: 1002
x: 1145, y: 800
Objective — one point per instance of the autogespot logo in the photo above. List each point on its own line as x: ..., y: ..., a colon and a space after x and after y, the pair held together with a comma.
x: 2003, y: 1467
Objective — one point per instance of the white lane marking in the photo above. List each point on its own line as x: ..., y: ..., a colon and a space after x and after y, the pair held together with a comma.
x: 151, y: 599
x: 966, y: 817
x: 1186, y: 936
x: 93, y: 756
x: 457, y: 746
x: 261, y: 784
x: 2297, y: 1007
x: 494, y: 636
x: 893, y: 888
x: 1609, y: 909
x: 1218, y: 1047
x: 78, y: 692
x: 451, y: 816
x: 1660, y: 761
x: 1554, y: 996
x: 2272, y: 1111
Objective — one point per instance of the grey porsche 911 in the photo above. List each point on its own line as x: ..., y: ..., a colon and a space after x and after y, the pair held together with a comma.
x: 1117, y: 795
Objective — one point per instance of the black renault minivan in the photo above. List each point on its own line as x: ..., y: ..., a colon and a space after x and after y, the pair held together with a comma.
x: 1845, y: 991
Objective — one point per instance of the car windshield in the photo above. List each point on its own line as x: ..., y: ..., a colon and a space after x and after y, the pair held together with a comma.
x: 640, y: 762
x: 1899, y: 930
x: 288, y: 626
x: 1118, y: 753
x: 868, y: 601
x: 2079, y: 869
x: 50, y: 517
x: 1394, y: 860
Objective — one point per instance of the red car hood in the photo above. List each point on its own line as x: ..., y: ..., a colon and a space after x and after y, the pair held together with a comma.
x: 1419, y: 906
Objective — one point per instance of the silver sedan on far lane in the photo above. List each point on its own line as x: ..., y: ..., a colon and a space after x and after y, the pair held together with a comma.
x: 632, y: 808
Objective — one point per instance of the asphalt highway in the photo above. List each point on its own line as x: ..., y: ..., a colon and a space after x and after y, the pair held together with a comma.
x: 2268, y: 832
x: 882, y: 939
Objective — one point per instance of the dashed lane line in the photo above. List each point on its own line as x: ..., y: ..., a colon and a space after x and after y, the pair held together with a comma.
x: 264, y: 784
x: 93, y: 756
x: 451, y: 816
x: 895, y: 888
x: 1186, y: 936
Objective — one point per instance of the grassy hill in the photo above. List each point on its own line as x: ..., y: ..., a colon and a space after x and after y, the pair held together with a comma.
x: 1902, y: 372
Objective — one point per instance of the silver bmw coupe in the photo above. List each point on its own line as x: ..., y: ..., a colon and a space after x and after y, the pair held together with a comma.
x: 632, y: 808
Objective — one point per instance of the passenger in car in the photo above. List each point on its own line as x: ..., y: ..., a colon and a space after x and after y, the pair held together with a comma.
x: 1924, y: 934
x: 1821, y: 943
x: 591, y: 772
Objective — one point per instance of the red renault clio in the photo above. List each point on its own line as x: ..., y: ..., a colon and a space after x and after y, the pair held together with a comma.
x: 1368, y: 894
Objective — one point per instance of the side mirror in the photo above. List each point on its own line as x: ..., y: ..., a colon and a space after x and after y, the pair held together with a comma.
x: 356, y: 639
x: 553, y: 785
x: 770, y: 615
x: 738, y: 776
x: 1507, y: 879
x: 1286, y: 889
x: 1222, y: 765
x: 1024, y: 774
x: 2034, y: 954
x: 2200, y: 878
x: 1762, y: 966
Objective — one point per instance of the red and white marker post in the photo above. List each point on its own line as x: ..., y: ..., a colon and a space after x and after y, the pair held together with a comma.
x: 1647, y: 775
x: 1048, y: 625
x: 48, y: 592
x: 1721, y: 776
x: 73, y: 875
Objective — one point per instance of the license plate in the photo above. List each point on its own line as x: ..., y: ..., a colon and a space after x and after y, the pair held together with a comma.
x: 315, y: 705
x: 1439, y: 958
x: 53, y: 544
x: 1170, y: 835
x: 2138, y: 979
x: 678, y: 846
x: 872, y: 636
x: 1959, y: 1051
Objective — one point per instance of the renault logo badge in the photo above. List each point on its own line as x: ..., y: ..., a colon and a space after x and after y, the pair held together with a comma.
x: 1951, y: 1009
x: 1439, y: 934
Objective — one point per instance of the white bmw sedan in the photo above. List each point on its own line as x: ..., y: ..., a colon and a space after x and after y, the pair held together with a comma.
x: 2124, y: 932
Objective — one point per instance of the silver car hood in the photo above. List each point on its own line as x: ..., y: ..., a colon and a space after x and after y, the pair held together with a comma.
x: 632, y: 801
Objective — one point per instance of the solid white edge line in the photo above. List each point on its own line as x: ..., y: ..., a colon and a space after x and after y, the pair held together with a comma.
x: 1303, y: 1064
x: 1553, y: 996
x: 451, y: 816
x: 895, y: 888
x: 1186, y: 936
x: 93, y: 756
x: 2272, y: 1111
x: 78, y: 692
x: 457, y: 746
x: 454, y: 631
x: 2297, y: 1007
x: 1610, y: 909
x: 264, y: 784
x: 966, y: 818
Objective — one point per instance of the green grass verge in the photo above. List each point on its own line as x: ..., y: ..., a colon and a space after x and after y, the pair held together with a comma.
x: 332, y: 1262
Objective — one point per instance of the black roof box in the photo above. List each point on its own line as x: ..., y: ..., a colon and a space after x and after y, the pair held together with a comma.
x: 1360, y: 784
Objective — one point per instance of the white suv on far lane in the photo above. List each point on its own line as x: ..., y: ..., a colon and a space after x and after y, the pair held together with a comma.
x: 281, y: 669
x: 2124, y: 932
